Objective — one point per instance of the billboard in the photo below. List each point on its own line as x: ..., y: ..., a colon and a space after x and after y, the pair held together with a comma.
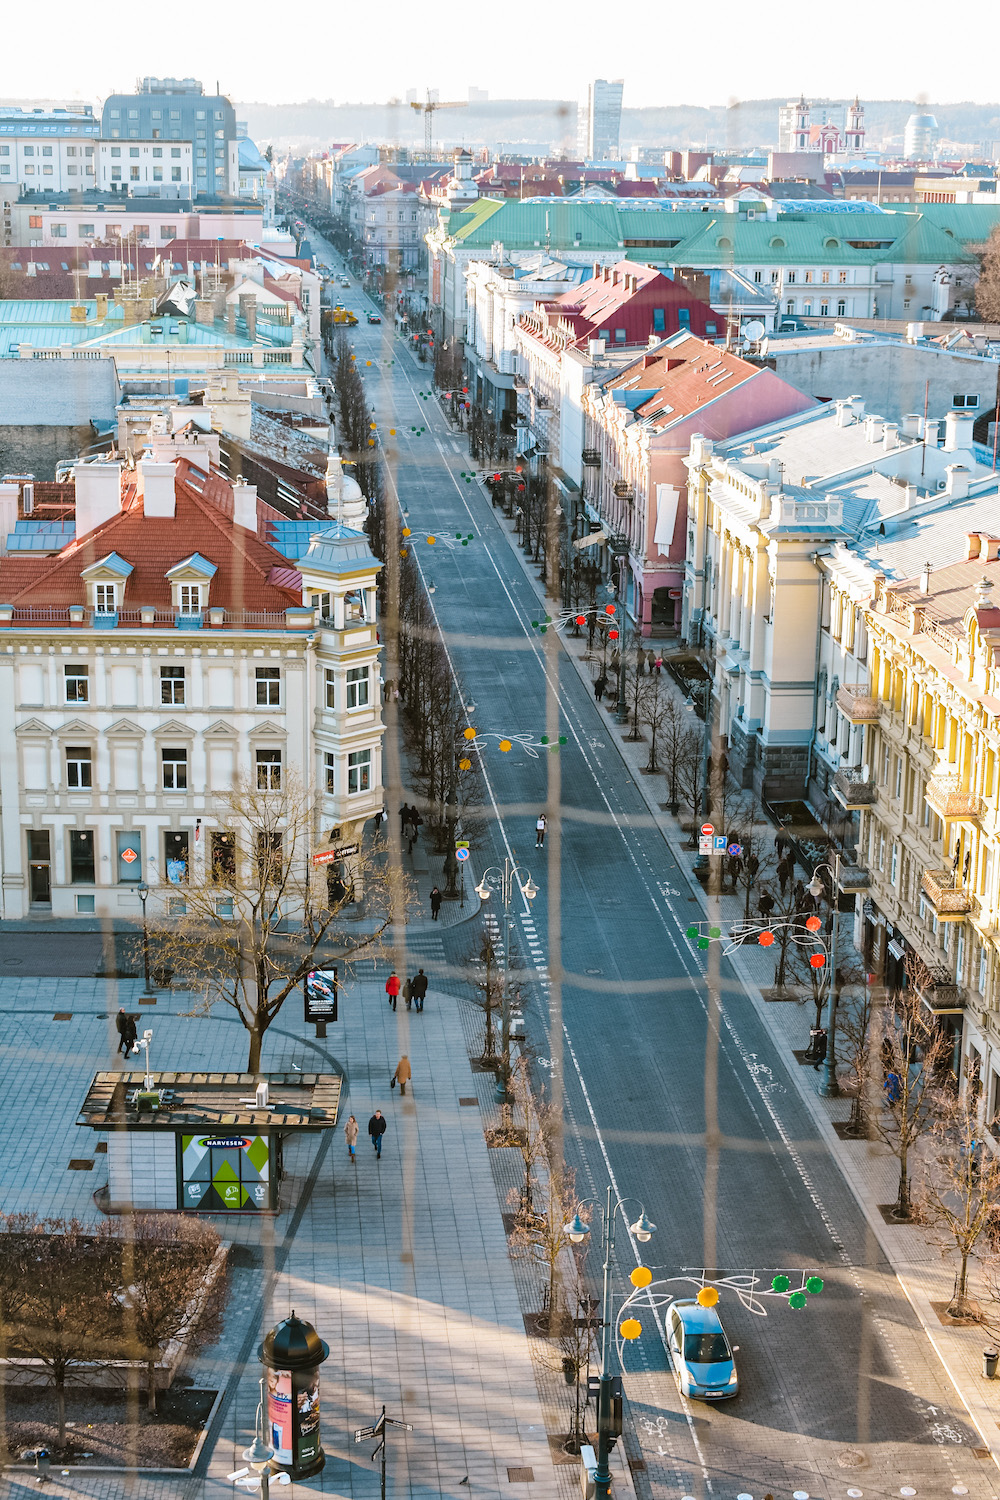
x: 320, y: 991
x: 225, y: 1173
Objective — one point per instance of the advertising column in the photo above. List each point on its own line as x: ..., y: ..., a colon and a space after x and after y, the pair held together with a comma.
x: 293, y: 1353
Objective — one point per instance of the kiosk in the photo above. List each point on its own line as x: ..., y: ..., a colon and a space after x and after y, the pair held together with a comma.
x: 204, y: 1142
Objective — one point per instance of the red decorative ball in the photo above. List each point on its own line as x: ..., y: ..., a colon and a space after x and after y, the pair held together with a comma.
x: 581, y: 619
x: 765, y: 939
x: 813, y: 923
x: 612, y: 635
x: 609, y: 609
x: 817, y: 960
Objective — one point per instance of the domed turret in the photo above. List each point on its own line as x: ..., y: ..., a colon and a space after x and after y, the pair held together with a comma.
x: 292, y: 1345
x: 344, y: 500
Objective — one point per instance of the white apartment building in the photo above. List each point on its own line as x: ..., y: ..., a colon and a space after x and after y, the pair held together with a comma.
x: 146, y: 169
x: 48, y: 151
x: 172, y: 636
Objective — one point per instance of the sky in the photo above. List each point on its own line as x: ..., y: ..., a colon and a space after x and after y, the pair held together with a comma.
x: 358, y: 53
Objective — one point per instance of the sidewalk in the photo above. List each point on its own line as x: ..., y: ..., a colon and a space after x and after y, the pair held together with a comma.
x: 868, y: 1167
x: 401, y: 1264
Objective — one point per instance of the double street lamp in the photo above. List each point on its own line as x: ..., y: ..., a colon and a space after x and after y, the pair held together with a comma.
x: 259, y: 1454
x: 143, y: 894
x: 504, y: 880
x: 829, y: 1087
x: 608, y: 1399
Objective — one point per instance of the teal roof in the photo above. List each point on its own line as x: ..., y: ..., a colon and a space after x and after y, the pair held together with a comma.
x: 932, y: 233
x: 46, y: 324
x: 338, y: 549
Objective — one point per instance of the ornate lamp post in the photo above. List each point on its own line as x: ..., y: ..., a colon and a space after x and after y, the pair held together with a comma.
x: 504, y: 879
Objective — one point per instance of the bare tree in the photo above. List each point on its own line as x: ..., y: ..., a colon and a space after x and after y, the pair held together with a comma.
x: 857, y: 1025
x: 166, y: 1259
x: 667, y: 737
x: 233, y: 939
x: 960, y: 1189
x: 746, y: 826
x: 988, y: 289
x: 542, y: 1235
x: 576, y: 1345
x: 913, y: 1052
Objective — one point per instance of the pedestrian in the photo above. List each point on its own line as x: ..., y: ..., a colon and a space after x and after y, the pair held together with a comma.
x: 659, y: 665
x: 888, y: 1058
x: 784, y: 872
x: 407, y: 994
x: 782, y: 844
x: 418, y: 988
x: 402, y: 1074
x: 541, y: 823
x: 351, y: 1136
x: 765, y: 905
x: 416, y: 822
x: 892, y: 1088
x: 814, y: 1034
x: 819, y: 1051
x: 404, y: 818
x: 651, y: 662
x: 600, y: 687
x: 392, y: 988
x: 376, y: 1129
x: 127, y: 1033
x: 799, y: 895
x: 435, y: 898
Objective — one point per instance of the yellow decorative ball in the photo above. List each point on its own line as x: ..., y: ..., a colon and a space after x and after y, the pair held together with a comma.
x: 465, y: 764
x: 406, y: 530
x: 431, y: 540
x: 505, y: 745
x: 708, y: 1296
x: 630, y: 1328
x: 470, y: 733
x: 641, y: 1276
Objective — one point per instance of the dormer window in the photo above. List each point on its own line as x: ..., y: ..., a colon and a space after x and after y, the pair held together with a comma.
x: 190, y: 598
x: 190, y: 582
x: 106, y: 582
x: 106, y: 598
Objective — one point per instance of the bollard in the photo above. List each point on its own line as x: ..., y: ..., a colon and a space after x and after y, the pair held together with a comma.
x: 42, y: 1463
x: 990, y: 1358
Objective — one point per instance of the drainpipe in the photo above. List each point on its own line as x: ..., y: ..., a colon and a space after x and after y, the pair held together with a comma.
x: 814, y: 558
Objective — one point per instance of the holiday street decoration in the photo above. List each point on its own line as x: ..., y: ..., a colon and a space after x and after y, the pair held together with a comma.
x: 545, y: 744
x: 752, y: 1288
x: 603, y: 613
x: 804, y: 931
x: 435, y: 539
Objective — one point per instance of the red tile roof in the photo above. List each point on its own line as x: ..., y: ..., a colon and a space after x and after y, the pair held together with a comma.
x: 682, y: 378
x: 153, y: 544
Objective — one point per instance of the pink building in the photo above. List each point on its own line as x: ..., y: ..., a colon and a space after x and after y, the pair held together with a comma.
x: 639, y: 423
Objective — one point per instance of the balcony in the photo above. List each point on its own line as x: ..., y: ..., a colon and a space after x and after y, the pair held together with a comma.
x: 950, y: 902
x: 857, y: 704
x: 853, y: 879
x: 945, y: 795
x: 854, y: 790
x: 592, y: 458
x: 938, y: 990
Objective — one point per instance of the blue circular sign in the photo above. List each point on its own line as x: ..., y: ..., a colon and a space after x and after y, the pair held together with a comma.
x: 461, y: 854
x: 735, y: 849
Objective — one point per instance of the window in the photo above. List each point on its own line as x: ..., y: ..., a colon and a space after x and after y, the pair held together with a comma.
x: 190, y: 597
x: 330, y: 769
x: 268, y: 687
x: 81, y: 856
x: 72, y: 171
x: 774, y: 277
x: 175, y: 174
x: 659, y: 320
x: 824, y: 309
x: 175, y: 152
x: 133, y: 151
x: 133, y: 173
x: 268, y: 770
x: 842, y: 277
x: 157, y: 152
x: 841, y: 308
x: 825, y: 278
x: 223, y: 856
x: 171, y: 684
x: 141, y: 230
x: 175, y: 856
x: 789, y: 306
x: 157, y: 174
x: 357, y: 687
x: 331, y: 688
x: 268, y: 856
x: 175, y: 770
x: 359, y: 771
x: 969, y: 402
x: 322, y: 603
x: 79, y: 766
x: 790, y: 278
x: 758, y: 276
x: 116, y: 174
x: 85, y: 231
x: 30, y: 172
x: 619, y: 335
x: 807, y: 308
x: 906, y: 303
x: 77, y: 683
x: 105, y: 598
x: 29, y: 150
x: 169, y: 231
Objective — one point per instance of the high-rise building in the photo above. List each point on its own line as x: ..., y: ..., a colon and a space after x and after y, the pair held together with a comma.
x: 920, y: 138
x: 178, y: 109
x: 604, y: 119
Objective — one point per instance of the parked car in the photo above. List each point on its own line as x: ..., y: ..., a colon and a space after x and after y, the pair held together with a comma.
x: 374, y: 317
x: 701, y: 1354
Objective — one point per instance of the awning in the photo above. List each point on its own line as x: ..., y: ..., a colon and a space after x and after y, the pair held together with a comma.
x: 896, y: 949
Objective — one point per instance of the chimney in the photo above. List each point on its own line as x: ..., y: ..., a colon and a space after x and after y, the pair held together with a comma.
x: 101, y: 298
x: 653, y: 340
x: 598, y: 349
x: 245, y: 505
x: 9, y: 493
x: 773, y: 471
x: 873, y: 429
x: 914, y: 331
x: 844, y: 415
x: 890, y: 436
x: 957, y: 431
x: 204, y: 311
x: 251, y: 317
x: 957, y: 485
x: 925, y: 579
x: 989, y: 547
x: 230, y: 317
x: 911, y: 425
x: 156, y: 485
x: 857, y: 406
x: 972, y: 541
x: 98, y: 494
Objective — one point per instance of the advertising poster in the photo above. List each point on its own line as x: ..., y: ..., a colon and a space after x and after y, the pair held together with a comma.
x: 279, y: 1414
x: 321, y: 995
x: 307, y: 1401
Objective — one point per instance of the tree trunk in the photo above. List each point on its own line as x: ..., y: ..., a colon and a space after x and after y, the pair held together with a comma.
x: 256, y: 1042
x: 60, y: 1385
x: 151, y: 1384
x: 959, y: 1306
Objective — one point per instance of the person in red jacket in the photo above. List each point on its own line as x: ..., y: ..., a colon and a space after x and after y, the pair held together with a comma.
x: 392, y: 988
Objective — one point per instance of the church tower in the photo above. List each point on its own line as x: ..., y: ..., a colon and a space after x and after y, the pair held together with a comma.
x: 854, y: 134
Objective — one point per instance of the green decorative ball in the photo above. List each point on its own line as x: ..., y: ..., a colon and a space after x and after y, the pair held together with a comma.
x: 814, y: 1285
x: 692, y: 932
x: 780, y: 1284
x: 797, y: 1299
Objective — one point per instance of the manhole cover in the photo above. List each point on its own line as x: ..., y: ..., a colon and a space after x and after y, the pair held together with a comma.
x: 593, y: 971
x: 520, y: 1476
x: 611, y: 901
x: 852, y: 1458
x: 80, y: 1164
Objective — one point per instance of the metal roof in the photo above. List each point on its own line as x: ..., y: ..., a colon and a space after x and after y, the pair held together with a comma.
x: 207, y: 1101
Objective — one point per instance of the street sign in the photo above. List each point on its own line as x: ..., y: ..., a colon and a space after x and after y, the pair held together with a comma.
x: 707, y: 829
x: 719, y: 843
x: 461, y: 843
x: 461, y: 855
x: 344, y: 851
x: 705, y: 844
x: 735, y: 850
x: 364, y: 1434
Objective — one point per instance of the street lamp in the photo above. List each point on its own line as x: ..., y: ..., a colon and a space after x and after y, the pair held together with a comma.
x: 143, y: 894
x: 505, y: 879
x: 608, y: 1420
x: 829, y: 1087
x: 259, y: 1454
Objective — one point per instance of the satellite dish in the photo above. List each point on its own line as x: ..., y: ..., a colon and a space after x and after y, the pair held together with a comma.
x: 752, y: 331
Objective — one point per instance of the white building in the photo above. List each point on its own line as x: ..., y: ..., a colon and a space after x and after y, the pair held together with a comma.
x: 172, y: 636
x: 48, y: 151
x: 146, y: 169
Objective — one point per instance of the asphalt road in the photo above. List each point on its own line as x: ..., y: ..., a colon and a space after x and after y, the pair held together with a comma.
x: 681, y: 1103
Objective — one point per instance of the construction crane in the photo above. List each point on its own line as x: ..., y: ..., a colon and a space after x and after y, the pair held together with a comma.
x: 427, y: 110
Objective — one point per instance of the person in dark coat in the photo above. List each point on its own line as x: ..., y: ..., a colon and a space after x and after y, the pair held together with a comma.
x: 765, y: 905
x: 418, y: 988
x: 819, y: 1048
x: 785, y: 869
x: 436, y: 899
x: 376, y: 1129
x: 600, y: 687
x: 127, y: 1031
